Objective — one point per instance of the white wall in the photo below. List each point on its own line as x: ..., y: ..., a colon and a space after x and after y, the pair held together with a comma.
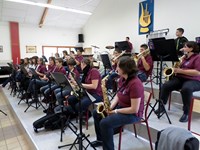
x: 5, y: 41
x: 46, y: 36
x: 113, y: 20
x: 34, y: 36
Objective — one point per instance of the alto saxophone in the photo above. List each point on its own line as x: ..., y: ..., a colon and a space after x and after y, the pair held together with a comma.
x: 102, y: 108
x: 169, y: 71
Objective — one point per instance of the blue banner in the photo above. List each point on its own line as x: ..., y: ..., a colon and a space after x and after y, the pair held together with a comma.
x: 146, y: 16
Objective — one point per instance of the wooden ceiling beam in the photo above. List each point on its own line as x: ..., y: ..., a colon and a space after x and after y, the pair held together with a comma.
x: 44, y: 14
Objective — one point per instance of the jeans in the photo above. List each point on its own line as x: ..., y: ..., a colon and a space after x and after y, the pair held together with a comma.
x: 60, y: 95
x: 142, y: 76
x: 85, y: 102
x: 104, y: 128
x: 187, y: 87
x: 36, y: 83
x: 48, y: 88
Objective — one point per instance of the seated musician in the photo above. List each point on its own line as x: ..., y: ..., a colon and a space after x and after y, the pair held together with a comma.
x: 37, y: 83
x: 52, y: 86
x: 113, y: 74
x: 91, y: 81
x: 33, y: 62
x: 126, y: 107
x: 78, y: 59
x: 40, y: 71
x: 73, y: 72
x: 145, y: 64
x: 186, y: 79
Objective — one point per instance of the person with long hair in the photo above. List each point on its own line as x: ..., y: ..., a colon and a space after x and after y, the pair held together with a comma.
x: 186, y: 79
x: 91, y: 81
x: 126, y: 107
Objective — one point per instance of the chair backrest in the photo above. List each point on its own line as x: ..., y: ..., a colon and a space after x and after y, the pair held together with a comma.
x: 147, y: 99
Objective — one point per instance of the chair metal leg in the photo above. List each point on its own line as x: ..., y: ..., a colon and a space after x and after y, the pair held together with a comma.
x: 120, y: 138
x: 135, y: 131
x: 149, y: 134
x: 169, y: 103
x: 190, y: 114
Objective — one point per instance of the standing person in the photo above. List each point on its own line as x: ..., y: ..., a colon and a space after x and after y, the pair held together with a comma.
x: 180, y: 41
x: 145, y: 64
x: 130, y: 45
x: 127, y: 106
x: 186, y: 79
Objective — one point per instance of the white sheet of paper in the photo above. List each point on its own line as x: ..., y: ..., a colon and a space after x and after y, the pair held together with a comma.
x: 91, y: 97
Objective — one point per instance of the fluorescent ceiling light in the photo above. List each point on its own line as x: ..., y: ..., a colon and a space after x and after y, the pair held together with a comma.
x: 50, y: 6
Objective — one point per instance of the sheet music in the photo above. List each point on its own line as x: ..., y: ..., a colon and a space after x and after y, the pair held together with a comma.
x: 90, y: 96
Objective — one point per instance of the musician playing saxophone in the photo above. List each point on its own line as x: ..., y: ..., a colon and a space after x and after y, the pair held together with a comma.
x: 187, y: 79
x: 126, y: 108
x: 145, y: 64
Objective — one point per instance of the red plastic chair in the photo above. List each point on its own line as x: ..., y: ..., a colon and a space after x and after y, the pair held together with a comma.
x: 196, y: 109
x: 150, y: 80
x: 147, y: 99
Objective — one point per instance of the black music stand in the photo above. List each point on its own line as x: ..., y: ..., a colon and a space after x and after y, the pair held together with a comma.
x: 35, y: 94
x: 106, y: 62
x: 63, y: 82
x: 165, y: 50
x: 152, y: 48
x: 122, y: 45
x: 80, y: 136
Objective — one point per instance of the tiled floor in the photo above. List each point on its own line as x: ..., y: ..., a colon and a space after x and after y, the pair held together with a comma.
x: 11, y: 136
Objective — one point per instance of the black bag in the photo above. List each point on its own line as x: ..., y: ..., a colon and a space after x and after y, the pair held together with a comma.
x: 50, y: 121
x: 190, y: 144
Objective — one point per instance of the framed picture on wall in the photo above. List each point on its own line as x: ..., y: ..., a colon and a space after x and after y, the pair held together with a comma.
x: 1, y: 49
x: 31, y: 49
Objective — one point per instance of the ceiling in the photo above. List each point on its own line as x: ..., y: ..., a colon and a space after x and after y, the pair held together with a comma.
x: 29, y: 14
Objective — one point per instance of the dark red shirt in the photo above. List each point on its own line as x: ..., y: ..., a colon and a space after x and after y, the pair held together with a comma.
x: 94, y: 74
x: 193, y: 62
x: 131, y: 90
x: 149, y: 60
x: 61, y: 69
x: 79, y: 59
x: 130, y: 47
x: 76, y: 74
x: 41, y: 69
x: 51, y: 68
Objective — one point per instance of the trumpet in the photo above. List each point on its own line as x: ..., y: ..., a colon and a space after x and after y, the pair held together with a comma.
x: 169, y: 71
x: 144, y: 54
x: 115, y: 58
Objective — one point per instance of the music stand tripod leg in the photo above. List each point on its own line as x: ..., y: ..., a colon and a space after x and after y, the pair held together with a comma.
x: 3, y: 112
x: 159, y: 101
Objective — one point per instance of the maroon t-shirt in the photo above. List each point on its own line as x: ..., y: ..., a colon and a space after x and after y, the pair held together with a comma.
x: 79, y: 59
x: 76, y: 74
x: 94, y: 74
x: 61, y: 69
x: 41, y: 69
x: 133, y: 89
x: 51, y: 68
x: 193, y: 62
x: 149, y: 60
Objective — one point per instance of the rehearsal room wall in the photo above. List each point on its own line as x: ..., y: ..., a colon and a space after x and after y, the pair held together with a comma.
x: 46, y: 36
x: 5, y: 41
x: 34, y: 36
x: 113, y: 20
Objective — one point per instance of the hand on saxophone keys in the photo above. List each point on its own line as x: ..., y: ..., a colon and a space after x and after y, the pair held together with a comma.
x: 177, y: 70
